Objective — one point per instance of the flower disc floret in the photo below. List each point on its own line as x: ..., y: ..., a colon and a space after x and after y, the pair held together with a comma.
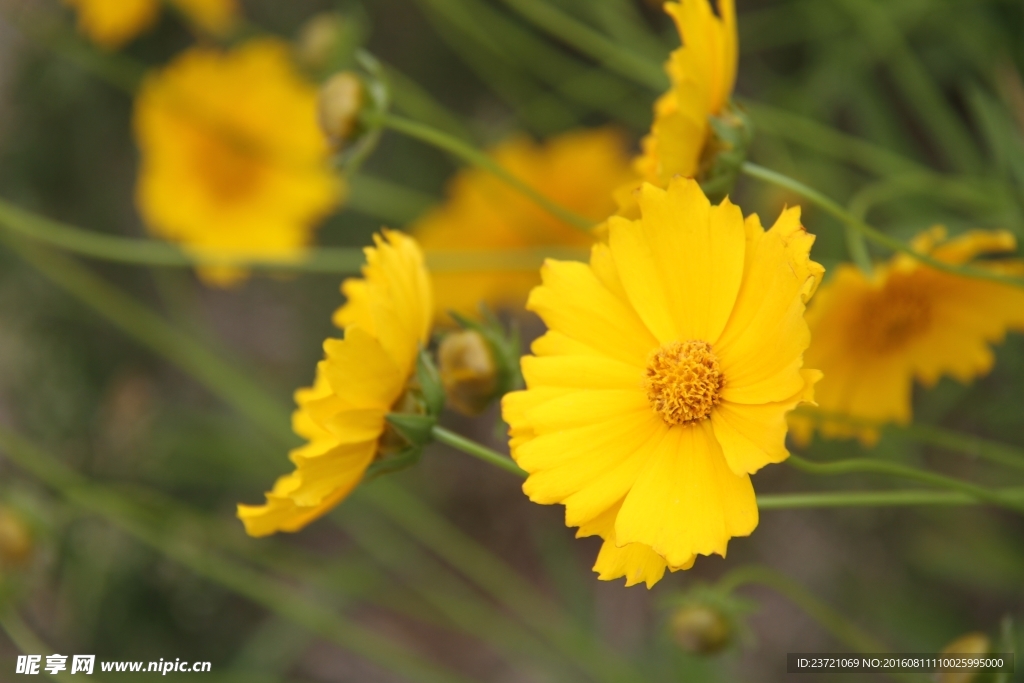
x: 684, y: 382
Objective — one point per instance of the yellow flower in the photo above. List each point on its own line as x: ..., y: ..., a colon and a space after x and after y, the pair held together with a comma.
x: 112, y: 23
x: 578, y: 170
x: 232, y: 160
x: 873, y: 335
x: 702, y: 73
x: 664, y: 379
x: 363, y: 376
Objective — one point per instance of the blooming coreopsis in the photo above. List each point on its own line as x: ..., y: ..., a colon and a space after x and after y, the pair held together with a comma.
x: 873, y: 335
x: 112, y: 23
x: 665, y: 377
x: 702, y: 74
x: 232, y: 161
x: 362, y: 378
x: 579, y: 170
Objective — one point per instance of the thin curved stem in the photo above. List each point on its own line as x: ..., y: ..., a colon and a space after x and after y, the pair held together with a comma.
x: 471, y: 155
x: 260, y: 589
x: 477, y: 450
x: 868, y: 465
x: 320, y: 260
x: 832, y: 207
x: 893, y: 498
x: 841, y: 628
x: 552, y: 20
x: 947, y: 439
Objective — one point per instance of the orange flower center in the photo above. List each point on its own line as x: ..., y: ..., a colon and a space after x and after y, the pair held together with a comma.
x: 684, y: 382
x: 893, y: 316
x: 230, y: 168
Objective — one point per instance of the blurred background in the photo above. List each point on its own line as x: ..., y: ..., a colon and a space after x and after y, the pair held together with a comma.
x: 445, y: 572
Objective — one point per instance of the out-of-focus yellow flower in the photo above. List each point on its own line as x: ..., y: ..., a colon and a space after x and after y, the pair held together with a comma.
x: 363, y: 377
x: 873, y: 335
x: 579, y: 170
x: 232, y: 159
x: 665, y: 377
x: 970, y: 644
x: 112, y: 23
x: 15, y: 539
x: 702, y: 73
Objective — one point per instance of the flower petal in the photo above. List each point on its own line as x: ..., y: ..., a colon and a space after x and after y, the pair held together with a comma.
x: 687, y: 501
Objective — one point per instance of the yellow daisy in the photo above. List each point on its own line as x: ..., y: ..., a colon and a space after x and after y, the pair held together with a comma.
x: 874, y: 335
x: 579, y: 170
x: 232, y: 161
x: 112, y: 23
x: 664, y: 379
x: 702, y: 73
x: 362, y: 378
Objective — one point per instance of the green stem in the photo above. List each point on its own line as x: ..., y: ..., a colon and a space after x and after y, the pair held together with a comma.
x: 830, y: 142
x: 867, y: 465
x: 833, y: 208
x: 471, y: 155
x: 231, y: 385
x: 477, y: 450
x: 967, y: 444
x: 893, y: 498
x: 547, y: 17
x: 284, y: 601
x: 29, y: 643
x: 832, y: 621
x: 324, y: 260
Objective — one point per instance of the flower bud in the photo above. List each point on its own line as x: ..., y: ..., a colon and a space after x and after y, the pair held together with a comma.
x: 468, y: 371
x: 724, y: 152
x: 970, y: 644
x: 341, y: 100
x: 15, y: 539
x: 320, y: 40
x: 700, y: 629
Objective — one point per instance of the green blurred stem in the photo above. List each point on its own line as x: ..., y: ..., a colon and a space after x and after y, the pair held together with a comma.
x: 271, y: 594
x: 477, y: 450
x: 30, y: 644
x: 233, y: 386
x: 891, y: 498
x: 471, y: 155
x: 832, y: 207
x: 828, y: 141
x: 967, y: 444
x: 323, y: 260
x: 841, y: 628
x: 868, y: 465
x: 605, y: 50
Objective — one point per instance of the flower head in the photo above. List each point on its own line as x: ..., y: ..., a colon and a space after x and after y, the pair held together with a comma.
x: 232, y: 160
x: 702, y: 73
x: 363, y: 377
x: 578, y: 170
x: 874, y: 335
x: 112, y: 23
x: 663, y: 382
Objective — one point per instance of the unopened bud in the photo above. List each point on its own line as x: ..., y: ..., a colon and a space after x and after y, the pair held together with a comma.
x: 468, y: 371
x: 320, y: 40
x: 700, y: 629
x: 15, y: 539
x: 341, y: 100
x: 724, y: 152
x: 970, y: 644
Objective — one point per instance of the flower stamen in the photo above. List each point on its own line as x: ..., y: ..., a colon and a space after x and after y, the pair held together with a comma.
x: 684, y: 382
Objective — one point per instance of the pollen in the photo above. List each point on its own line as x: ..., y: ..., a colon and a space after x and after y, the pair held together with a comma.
x: 684, y: 382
